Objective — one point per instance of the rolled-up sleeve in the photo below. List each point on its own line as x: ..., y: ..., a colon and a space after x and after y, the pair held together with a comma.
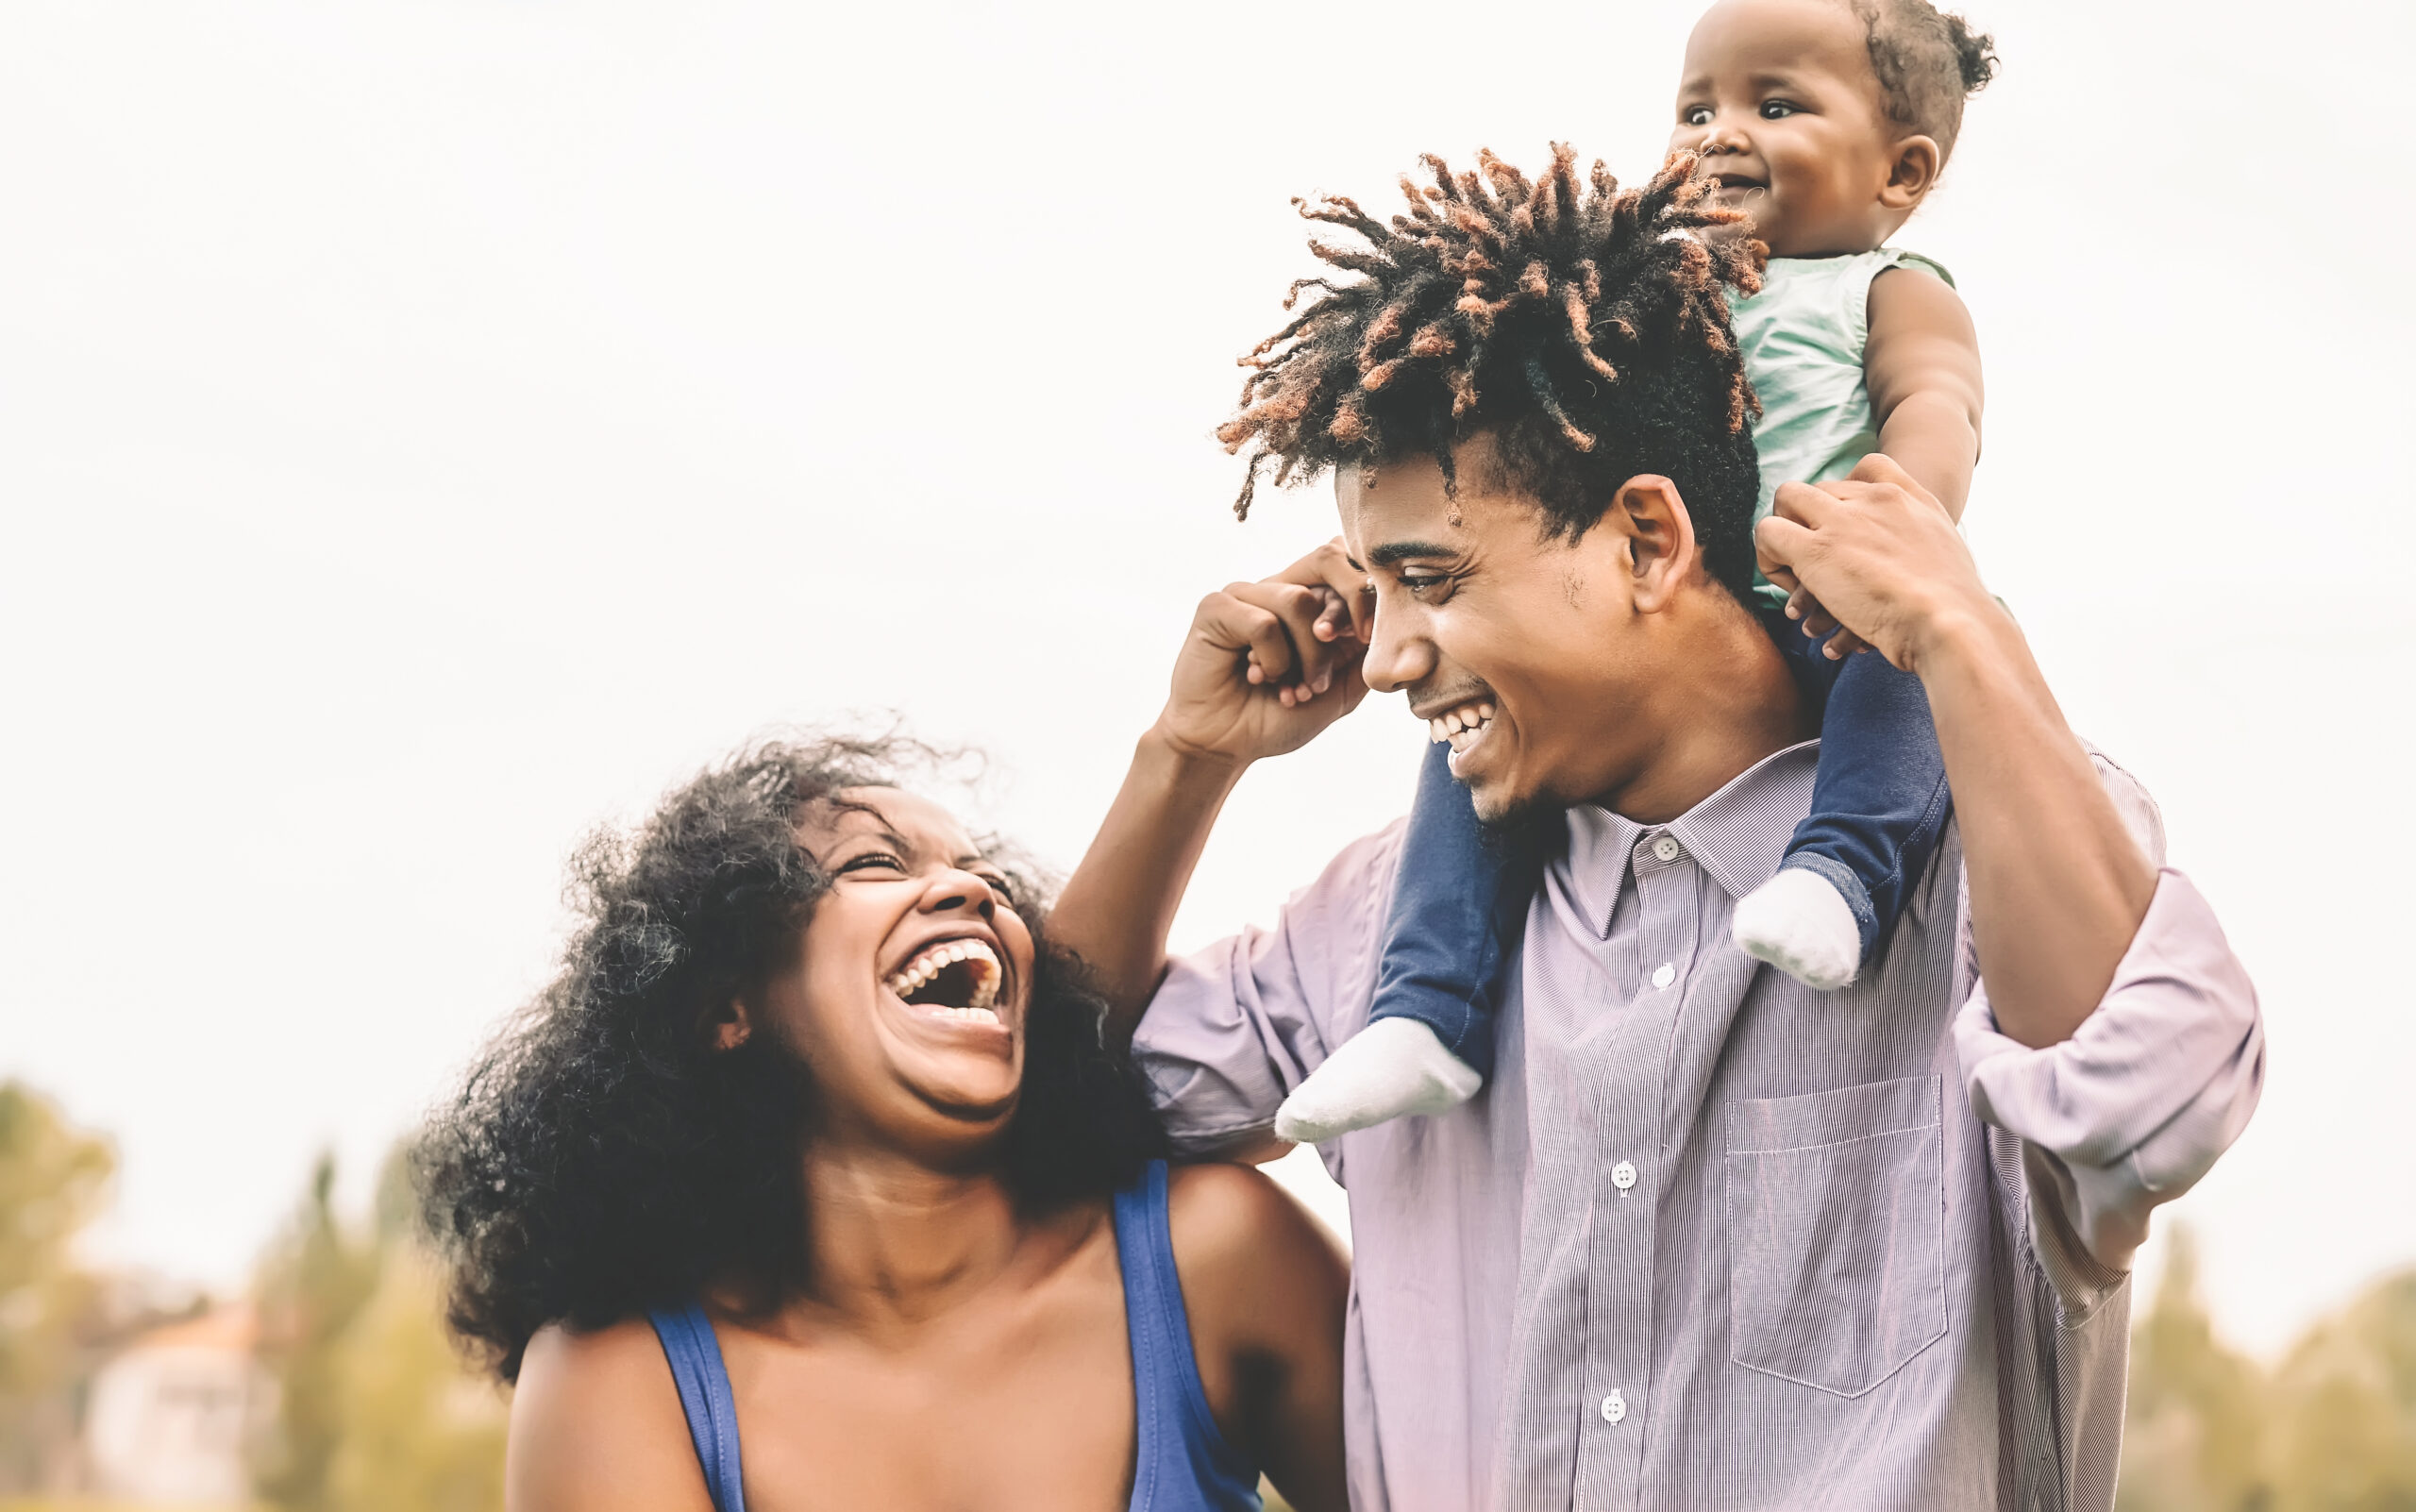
x: 1234, y: 1027
x: 2134, y: 1108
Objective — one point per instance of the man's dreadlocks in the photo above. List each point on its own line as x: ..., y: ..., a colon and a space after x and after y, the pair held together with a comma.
x: 1584, y: 329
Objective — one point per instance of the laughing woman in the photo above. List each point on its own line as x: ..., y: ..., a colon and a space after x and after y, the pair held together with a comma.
x: 808, y: 1183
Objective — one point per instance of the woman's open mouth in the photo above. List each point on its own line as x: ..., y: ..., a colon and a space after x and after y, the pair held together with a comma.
x: 954, y: 980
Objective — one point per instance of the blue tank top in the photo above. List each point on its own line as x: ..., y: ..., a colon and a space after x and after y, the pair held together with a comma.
x: 1182, y: 1463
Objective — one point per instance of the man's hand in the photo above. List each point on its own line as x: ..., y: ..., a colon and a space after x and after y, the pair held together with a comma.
x: 1264, y: 667
x: 1879, y: 555
x: 1268, y: 664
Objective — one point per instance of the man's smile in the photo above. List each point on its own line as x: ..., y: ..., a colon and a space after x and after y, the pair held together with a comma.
x: 1463, y: 725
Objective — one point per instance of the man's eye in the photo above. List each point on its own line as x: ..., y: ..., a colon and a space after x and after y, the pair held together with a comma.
x: 1419, y: 584
x: 1776, y: 110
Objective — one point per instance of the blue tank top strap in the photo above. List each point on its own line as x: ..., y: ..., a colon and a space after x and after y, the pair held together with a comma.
x: 694, y: 1354
x: 1181, y: 1461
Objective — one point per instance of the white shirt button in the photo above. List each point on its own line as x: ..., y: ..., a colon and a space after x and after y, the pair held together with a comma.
x: 1613, y: 1407
x: 1666, y: 848
x: 1622, y: 1175
x: 1663, y: 974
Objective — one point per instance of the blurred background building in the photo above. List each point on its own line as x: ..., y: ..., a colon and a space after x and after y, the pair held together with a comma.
x: 172, y: 1416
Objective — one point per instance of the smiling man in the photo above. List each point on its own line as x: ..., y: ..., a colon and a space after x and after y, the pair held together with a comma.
x: 1708, y: 1238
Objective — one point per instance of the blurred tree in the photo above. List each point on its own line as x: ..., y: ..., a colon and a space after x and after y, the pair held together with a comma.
x: 53, y: 1178
x: 2192, y: 1435
x: 421, y: 1432
x: 378, y: 1413
x: 2344, y: 1425
x: 315, y: 1281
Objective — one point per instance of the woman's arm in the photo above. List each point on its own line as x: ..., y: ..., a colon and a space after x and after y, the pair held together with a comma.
x: 1266, y: 1288
x: 596, y: 1427
x: 1922, y: 366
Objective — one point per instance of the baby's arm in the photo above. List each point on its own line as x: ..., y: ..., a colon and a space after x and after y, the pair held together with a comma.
x: 1922, y: 366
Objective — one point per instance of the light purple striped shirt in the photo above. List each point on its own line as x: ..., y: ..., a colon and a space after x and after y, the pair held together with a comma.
x: 1713, y: 1240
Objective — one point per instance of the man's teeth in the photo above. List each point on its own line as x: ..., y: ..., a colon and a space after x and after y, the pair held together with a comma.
x: 1461, y: 726
x: 987, y: 975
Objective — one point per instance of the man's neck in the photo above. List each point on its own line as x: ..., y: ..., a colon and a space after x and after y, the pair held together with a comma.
x: 1726, y: 701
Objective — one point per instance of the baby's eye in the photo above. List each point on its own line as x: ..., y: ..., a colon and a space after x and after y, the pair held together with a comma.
x: 1776, y: 110
x: 1696, y: 115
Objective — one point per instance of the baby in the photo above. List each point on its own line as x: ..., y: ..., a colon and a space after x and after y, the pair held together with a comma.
x: 1827, y: 122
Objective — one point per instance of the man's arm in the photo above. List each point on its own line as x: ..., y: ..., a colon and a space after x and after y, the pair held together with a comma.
x: 2058, y: 887
x: 2113, y: 1032
x: 1262, y: 669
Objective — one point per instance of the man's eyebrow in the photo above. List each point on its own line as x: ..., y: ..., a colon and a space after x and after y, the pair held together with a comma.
x: 1392, y: 551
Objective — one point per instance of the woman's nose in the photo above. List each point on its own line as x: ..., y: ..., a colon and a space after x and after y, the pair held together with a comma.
x: 959, y: 890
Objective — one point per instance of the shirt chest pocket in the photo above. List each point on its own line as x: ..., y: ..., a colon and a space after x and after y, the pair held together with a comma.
x: 1837, y: 1232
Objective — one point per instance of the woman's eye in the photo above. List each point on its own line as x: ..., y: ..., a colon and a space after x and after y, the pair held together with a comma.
x: 1776, y: 110
x: 874, y: 860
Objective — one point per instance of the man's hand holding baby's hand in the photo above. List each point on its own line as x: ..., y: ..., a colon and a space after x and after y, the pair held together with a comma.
x: 1878, y: 554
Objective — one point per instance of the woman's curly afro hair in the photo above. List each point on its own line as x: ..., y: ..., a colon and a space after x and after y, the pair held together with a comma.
x: 603, y: 1158
x: 1583, y: 326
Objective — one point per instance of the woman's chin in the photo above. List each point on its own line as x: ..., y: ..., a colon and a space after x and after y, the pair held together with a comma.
x: 969, y: 1098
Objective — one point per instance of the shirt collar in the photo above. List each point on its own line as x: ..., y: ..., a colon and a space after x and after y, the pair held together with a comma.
x: 1738, y: 835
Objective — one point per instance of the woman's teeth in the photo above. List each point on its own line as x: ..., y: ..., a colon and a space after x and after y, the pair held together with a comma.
x: 1461, y: 726
x: 980, y: 964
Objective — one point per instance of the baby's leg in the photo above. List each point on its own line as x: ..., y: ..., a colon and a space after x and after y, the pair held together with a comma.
x: 1879, y: 804
x: 1429, y: 1041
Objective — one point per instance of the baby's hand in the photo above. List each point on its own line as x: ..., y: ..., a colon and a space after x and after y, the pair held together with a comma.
x: 1817, y: 622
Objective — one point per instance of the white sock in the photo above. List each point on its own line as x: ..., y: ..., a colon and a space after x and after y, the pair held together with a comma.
x: 1393, y: 1067
x: 1800, y: 923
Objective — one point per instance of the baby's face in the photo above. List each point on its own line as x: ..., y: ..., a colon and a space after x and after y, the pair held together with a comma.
x: 1780, y: 98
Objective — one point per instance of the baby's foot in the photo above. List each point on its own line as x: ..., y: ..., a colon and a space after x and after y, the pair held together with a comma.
x: 1800, y: 923
x: 1393, y: 1067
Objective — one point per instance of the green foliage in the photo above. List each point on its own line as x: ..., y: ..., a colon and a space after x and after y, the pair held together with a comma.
x: 53, y: 1178
x: 377, y: 1412
x: 2344, y: 1436
x: 2331, y: 1429
x: 2193, y: 1439
x: 421, y: 1434
x: 313, y: 1283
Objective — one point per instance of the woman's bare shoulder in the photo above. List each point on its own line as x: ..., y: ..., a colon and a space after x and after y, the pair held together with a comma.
x: 1240, y: 1239
x: 1266, y: 1287
x: 597, y: 1426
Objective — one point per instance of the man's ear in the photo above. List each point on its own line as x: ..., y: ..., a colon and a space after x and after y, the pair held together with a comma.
x: 729, y: 1026
x: 1913, y: 174
x: 1660, y: 538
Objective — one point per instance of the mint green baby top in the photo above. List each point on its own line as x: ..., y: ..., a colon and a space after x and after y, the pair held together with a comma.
x: 1803, y: 338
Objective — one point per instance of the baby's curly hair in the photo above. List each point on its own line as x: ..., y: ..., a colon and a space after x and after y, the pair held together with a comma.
x: 1928, y: 63
x: 1583, y: 326
x: 603, y: 1157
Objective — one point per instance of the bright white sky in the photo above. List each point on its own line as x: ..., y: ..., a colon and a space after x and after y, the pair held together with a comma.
x: 427, y: 428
